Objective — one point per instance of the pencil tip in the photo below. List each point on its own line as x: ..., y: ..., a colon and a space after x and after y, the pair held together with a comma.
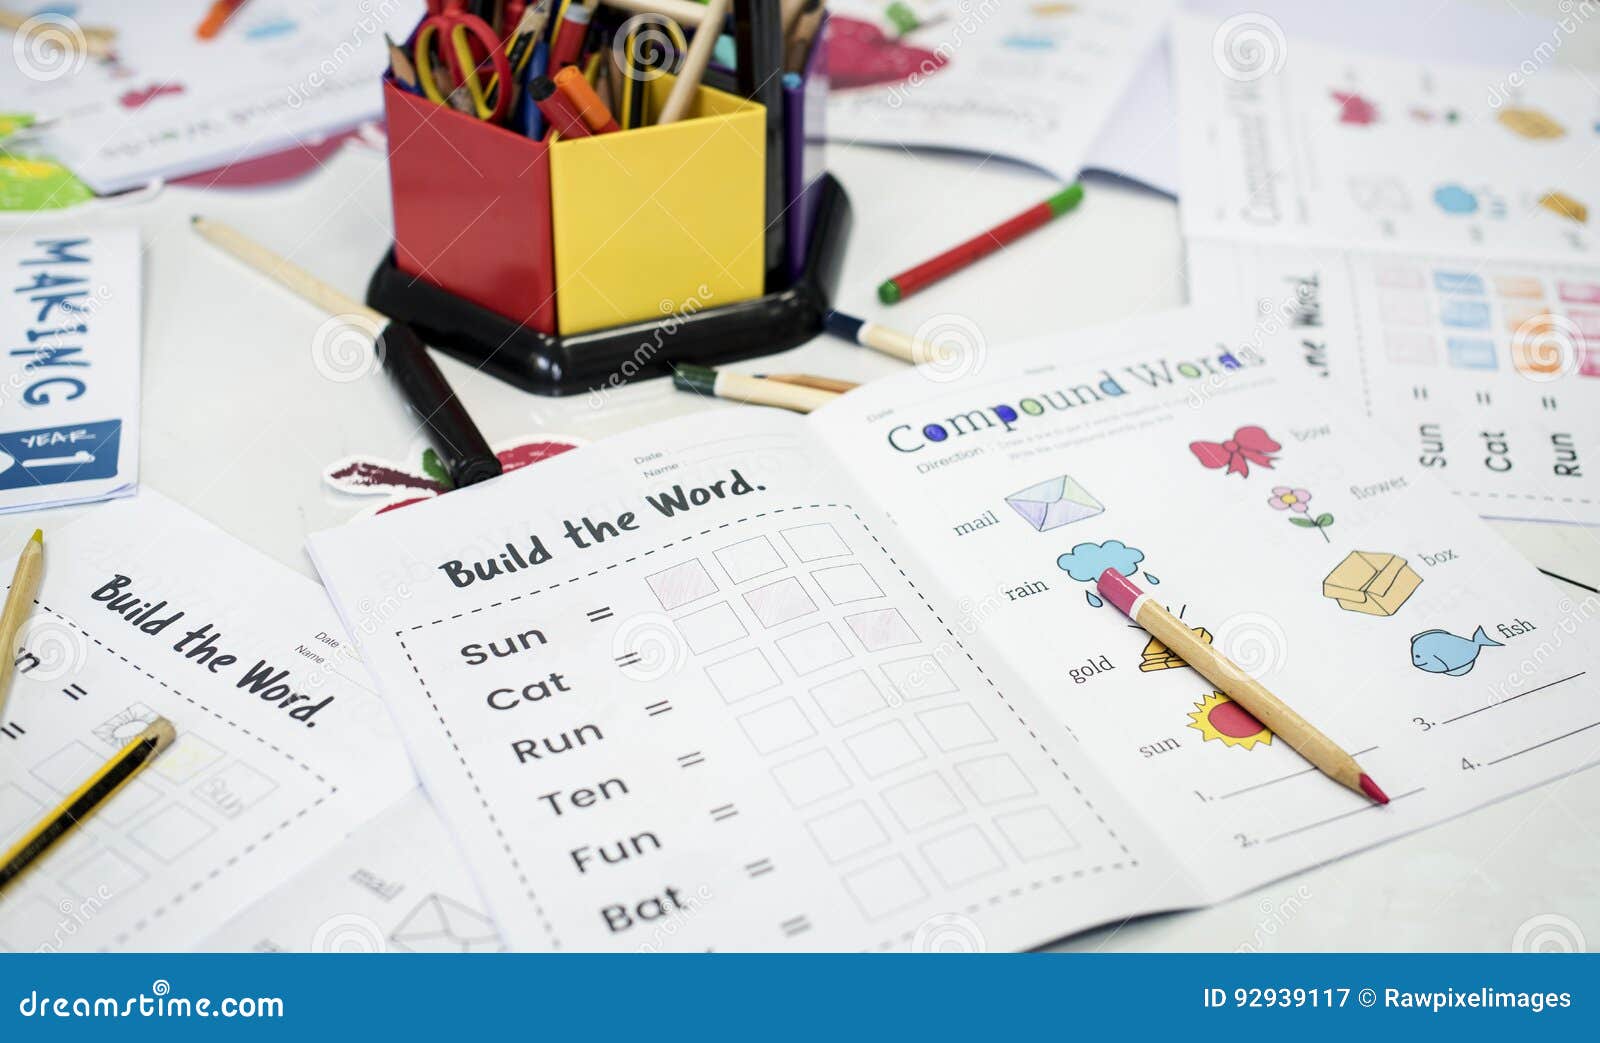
x: 1372, y: 790
x: 38, y: 535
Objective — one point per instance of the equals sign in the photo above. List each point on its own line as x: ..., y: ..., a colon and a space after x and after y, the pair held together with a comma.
x: 13, y: 731
x: 1483, y: 398
x: 689, y: 760
x: 726, y: 811
x: 761, y: 868
x: 596, y: 615
x: 657, y: 709
x: 1548, y: 401
x: 628, y: 659
x: 1419, y: 392
x: 795, y: 925
x: 74, y: 692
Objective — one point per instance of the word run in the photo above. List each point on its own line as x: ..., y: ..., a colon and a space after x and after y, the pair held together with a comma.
x: 202, y: 646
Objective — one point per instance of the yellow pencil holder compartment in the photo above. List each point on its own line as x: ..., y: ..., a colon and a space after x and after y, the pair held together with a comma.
x: 662, y: 219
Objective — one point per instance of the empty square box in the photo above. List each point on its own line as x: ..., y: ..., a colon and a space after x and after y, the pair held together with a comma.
x: 847, y: 832
x: 741, y: 676
x: 1407, y: 309
x: 845, y: 584
x: 65, y: 769
x: 710, y: 628
x: 19, y: 809
x: 133, y: 800
x: 777, y: 603
x: 681, y: 584
x: 962, y: 857
x: 815, y: 542
x: 918, y: 677
x: 104, y: 875
x: 170, y: 832
x: 776, y: 727
x: 814, y: 648
x: 234, y: 789
x: 955, y: 727
x: 884, y: 749
x: 1410, y: 347
x: 811, y: 777
x: 993, y: 780
x: 848, y: 698
x: 922, y: 802
x: 1035, y: 833
x: 880, y: 629
x: 885, y: 887
x: 750, y: 558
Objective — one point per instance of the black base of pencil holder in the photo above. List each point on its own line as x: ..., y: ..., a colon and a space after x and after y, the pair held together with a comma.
x: 551, y: 364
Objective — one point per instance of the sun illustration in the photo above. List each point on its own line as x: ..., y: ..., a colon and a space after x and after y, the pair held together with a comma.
x: 1218, y: 717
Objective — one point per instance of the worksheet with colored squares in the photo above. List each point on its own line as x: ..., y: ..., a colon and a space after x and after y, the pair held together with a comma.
x: 1487, y: 373
x: 281, y: 749
x: 1284, y: 140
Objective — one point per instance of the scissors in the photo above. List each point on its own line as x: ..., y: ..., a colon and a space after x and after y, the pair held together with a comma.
x: 464, y: 42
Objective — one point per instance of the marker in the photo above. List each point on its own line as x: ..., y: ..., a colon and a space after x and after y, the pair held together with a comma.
x: 1276, y: 715
x: 594, y: 113
x: 555, y: 106
x: 979, y: 246
x: 567, y: 46
x: 741, y: 388
x: 880, y: 338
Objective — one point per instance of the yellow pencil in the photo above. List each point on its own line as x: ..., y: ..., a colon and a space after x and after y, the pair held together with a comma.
x: 19, y: 603
x: 88, y: 798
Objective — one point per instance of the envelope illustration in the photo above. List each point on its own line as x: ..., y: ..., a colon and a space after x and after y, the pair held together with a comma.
x: 1157, y: 656
x: 440, y: 924
x: 1371, y: 582
x: 1050, y: 505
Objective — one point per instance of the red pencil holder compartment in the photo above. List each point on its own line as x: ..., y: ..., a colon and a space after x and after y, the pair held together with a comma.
x: 471, y: 208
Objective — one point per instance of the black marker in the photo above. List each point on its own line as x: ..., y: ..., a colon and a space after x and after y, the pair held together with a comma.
x: 460, y: 445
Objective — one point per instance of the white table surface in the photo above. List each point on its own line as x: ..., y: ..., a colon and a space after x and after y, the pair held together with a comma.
x: 239, y: 425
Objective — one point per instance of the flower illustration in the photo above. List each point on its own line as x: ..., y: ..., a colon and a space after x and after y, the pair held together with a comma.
x: 1284, y: 498
x: 1298, y: 503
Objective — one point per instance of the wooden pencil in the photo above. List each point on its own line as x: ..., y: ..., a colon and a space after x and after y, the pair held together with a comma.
x: 285, y: 272
x: 1276, y: 715
x: 98, y: 41
x: 740, y: 387
x: 807, y: 380
x: 19, y: 604
x: 676, y: 107
x: 84, y: 801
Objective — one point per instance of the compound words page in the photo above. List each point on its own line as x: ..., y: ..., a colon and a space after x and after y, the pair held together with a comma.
x: 1309, y: 552
x: 1487, y: 373
x: 681, y: 691
x: 146, y: 609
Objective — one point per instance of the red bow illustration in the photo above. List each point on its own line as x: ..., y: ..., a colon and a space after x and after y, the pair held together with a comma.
x: 1249, y: 445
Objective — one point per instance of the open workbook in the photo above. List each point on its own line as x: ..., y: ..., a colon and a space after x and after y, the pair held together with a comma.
x: 748, y: 680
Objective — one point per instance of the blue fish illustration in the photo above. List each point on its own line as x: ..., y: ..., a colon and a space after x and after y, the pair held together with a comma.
x: 1441, y: 652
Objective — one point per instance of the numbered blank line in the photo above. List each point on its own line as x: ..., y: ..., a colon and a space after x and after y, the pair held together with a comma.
x: 1547, y: 742
x: 1346, y: 814
x: 1511, y: 699
x: 1286, y: 778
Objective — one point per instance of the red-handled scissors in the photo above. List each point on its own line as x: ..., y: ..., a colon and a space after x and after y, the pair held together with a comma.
x: 464, y: 42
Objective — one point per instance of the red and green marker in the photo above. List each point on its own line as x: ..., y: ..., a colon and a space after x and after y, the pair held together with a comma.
x: 979, y: 246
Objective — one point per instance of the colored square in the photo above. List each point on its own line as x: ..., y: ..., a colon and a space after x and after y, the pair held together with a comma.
x: 1523, y: 286
x: 882, y: 628
x: 1464, y: 314
x: 1471, y: 353
x: 186, y: 758
x: 777, y: 603
x: 1458, y: 282
x: 1579, y: 292
x: 681, y: 584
